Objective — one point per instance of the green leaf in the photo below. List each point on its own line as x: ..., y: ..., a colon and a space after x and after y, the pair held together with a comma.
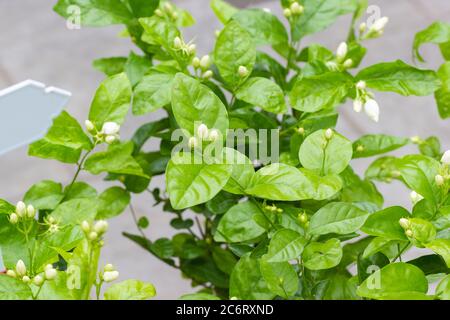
x: 376, y: 245
x: 75, y: 211
x: 430, y: 264
x: 430, y: 147
x: 443, y: 94
x: 13, y: 289
x: 280, y: 182
x: 263, y: 93
x: 112, y: 202
x: 375, y: 144
x: 337, y: 217
x: 442, y: 248
x: 437, y: 33
x: 47, y: 150
x: 324, y: 91
x: 322, y: 187
x: 319, y: 256
x: 143, y: 8
x: 194, y: 102
x: 385, y: 223
x: 80, y: 190
x: 241, y: 175
x: 234, y: 48
x: 95, y: 13
x: 110, y: 66
x: 111, y: 101
x: 325, y: 156
x: 246, y: 281
x: 358, y: 190
x: 223, y: 10
x: 401, y: 78
x: 189, y: 183
x: 285, y: 245
x: 130, y: 290
x: 66, y: 131
x: 146, y: 131
x: 280, y: 277
x: 6, y: 207
x: 443, y: 289
x: 224, y: 259
x: 136, y: 67
x: 264, y: 27
x: 418, y: 172
x: 116, y: 159
x: 396, y: 281
x: 238, y: 224
x: 383, y: 169
x: 317, y: 16
x: 154, y: 91
x: 45, y: 195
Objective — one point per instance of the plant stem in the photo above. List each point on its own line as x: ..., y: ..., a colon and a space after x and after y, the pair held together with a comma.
x: 77, y: 173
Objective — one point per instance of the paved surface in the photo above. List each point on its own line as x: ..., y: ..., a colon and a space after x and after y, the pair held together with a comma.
x: 35, y: 44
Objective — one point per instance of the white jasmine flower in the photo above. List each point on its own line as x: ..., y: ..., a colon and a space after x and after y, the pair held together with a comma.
x: 21, y: 270
x: 205, y: 62
x: 446, y: 157
x: 202, y: 131
x: 21, y: 209
x: 372, y: 109
x: 357, y: 105
x: 110, y: 276
x: 110, y: 128
x: 243, y: 71
x: 341, y: 51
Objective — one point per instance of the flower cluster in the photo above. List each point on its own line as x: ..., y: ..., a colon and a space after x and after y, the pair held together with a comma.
x: 22, y: 212
x: 295, y: 9
x: 365, y: 98
x: 203, y: 65
x: 22, y: 273
x: 341, y: 62
x: 167, y: 10
x: 94, y: 231
x: 376, y: 29
x: 109, y: 132
x: 203, y: 134
x: 186, y: 49
x: 109, y: 273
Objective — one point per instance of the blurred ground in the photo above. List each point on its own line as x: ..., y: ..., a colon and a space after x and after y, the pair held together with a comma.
x: 36, y: 44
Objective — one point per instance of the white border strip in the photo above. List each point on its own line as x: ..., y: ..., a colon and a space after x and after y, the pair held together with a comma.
x: 36, y: 84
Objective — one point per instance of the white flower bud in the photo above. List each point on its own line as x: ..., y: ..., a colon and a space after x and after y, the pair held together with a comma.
x: 50, y: 274
x: 409, y: 233
x: 207, y: 75
x: 301, y: 130
x: 348, y: 63
x: 85, y: 226
x: 196, y: 62
x: 202, y: 131
x: 48, y: 267
x: 243, y: 71
x: 446, y: 157
x: 38, y: 280
x: 101, y: 226
x: 342, y: 51
x: 205, y: 62
x: 21, y: 270
x: 109, y: 267
x: 110, y: 128
x: 192, y: 142
x: 21, y: 209
x: 110, y: 139
x: 192, y: 49
x: 110, y: 276
x: 31, y: 212
x: 439, y: 180
x: 214, y: 135
x: 89, y: 125
x: 26, y: 279
x: 11, y: 273
x: 13, y: 218
x: 287, y: 12
x: 267, y: 10
x: 415, y: 197
x: 177, y: 43
x: 93, y: 235
x: 174, y: 15
x: 159, y: 13
x: 404, y: 223
x: 328, y: 134
x: 372, y: 109
x: 361, y: 85
x: 362, y: 27
x: 378, y: 25
x: 168, y: 7
x: 357, y: 105
x: 296, y: 8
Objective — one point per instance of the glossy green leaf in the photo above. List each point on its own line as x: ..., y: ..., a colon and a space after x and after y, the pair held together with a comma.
x: 238, y: 224
x: 75, y: 211
x: 401, y: 78
x: 443, y: 94
x: 263, y: 93
x: 319, y: 256
x: 280, y: 277
x: 442, y: 248
x: 375, y: 144
x: 337, y: 217
x: 13, y: 289
x: 194, y: 102
x: 45, y: 195
x: 437, y: 33
x: 325, y: 156
x: 111, y: 101
x: 112, y: 202
x: 154, y: 91
x: 396, y: 281
x: 235, y: 47
x: 385, y: 223
x: 223, y: 10
x: 285, y: 245
x: 325, y: 91
x: 110, y: 66
x: 130, y: 290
